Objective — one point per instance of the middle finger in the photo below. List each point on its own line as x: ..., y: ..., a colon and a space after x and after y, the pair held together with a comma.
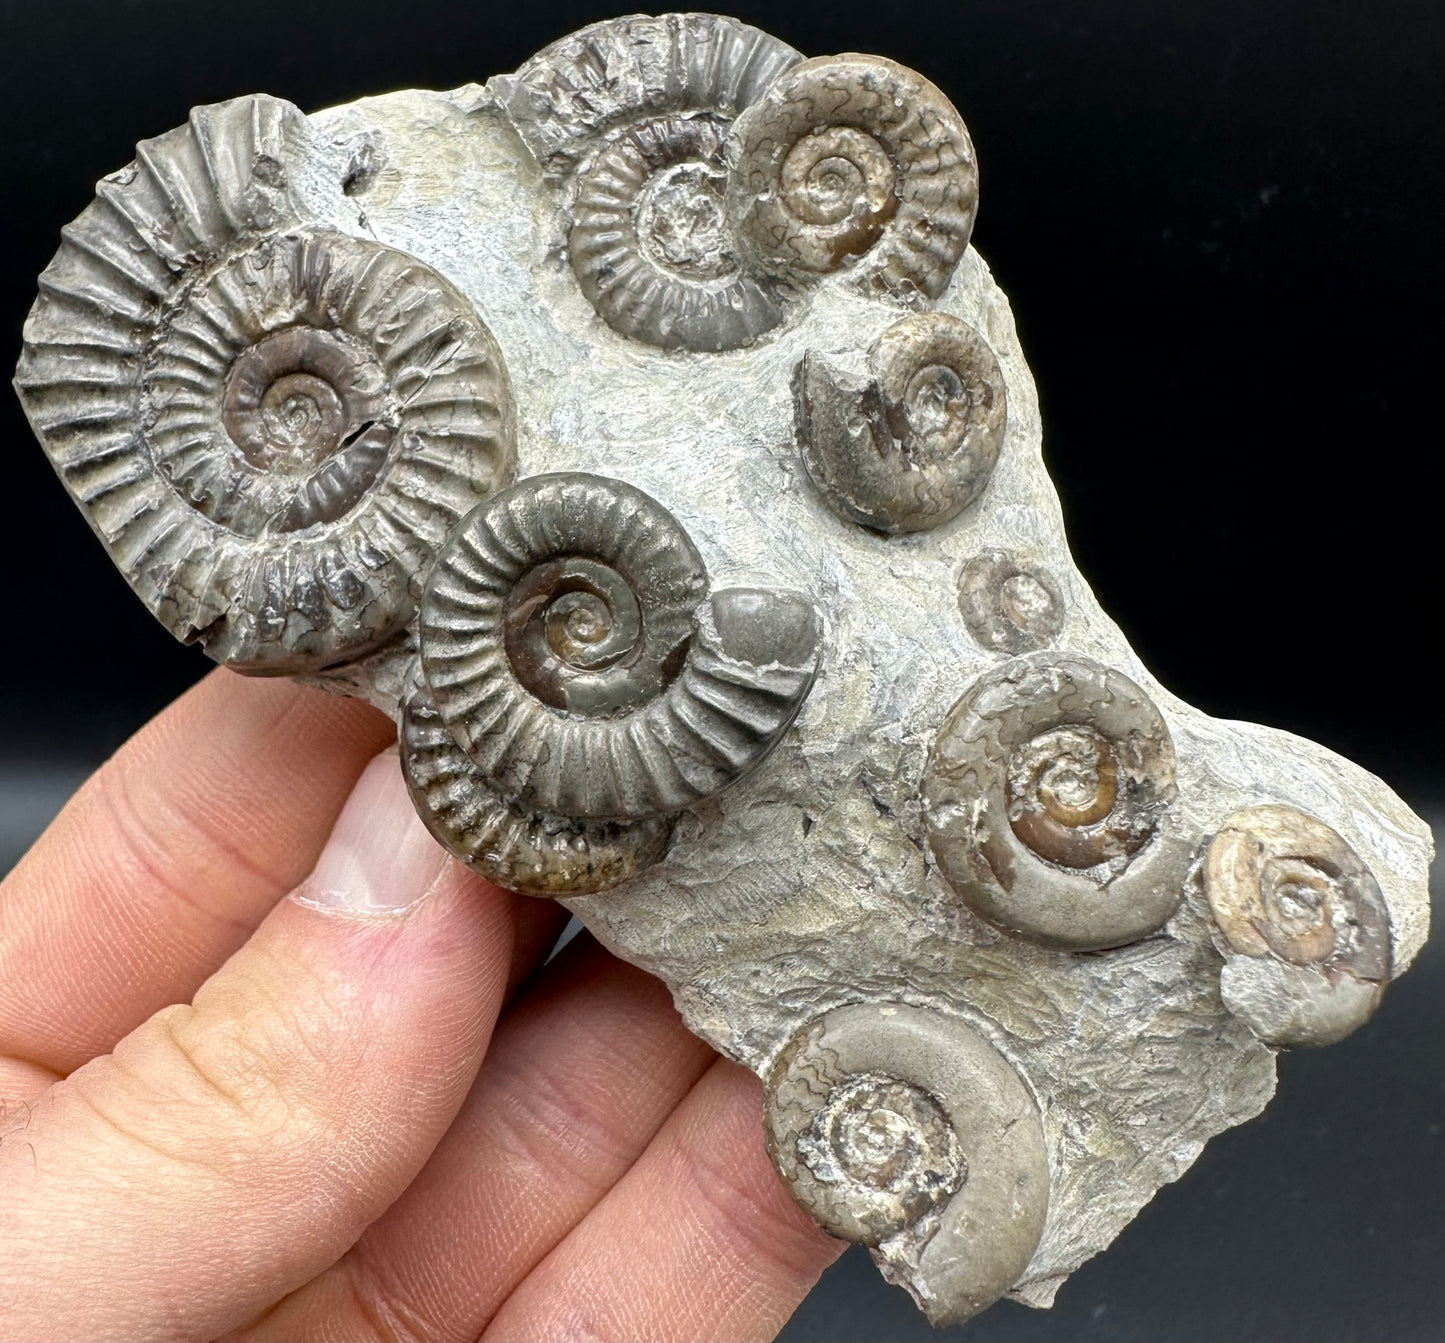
x: 581, y: 1074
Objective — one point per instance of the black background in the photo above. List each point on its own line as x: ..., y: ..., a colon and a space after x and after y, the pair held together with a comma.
x: 1220, y: 227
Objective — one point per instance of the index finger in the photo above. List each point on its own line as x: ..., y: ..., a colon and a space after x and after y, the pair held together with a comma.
x: 168, y: 857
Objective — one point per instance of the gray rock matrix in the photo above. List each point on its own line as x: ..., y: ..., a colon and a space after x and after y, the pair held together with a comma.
x: 641, y: 432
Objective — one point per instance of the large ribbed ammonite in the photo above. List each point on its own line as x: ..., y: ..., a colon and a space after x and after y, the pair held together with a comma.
x: 272, y: 431
x: 569, y: 644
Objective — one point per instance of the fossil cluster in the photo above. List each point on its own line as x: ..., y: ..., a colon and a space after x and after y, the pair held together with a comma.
x: 641, y: 432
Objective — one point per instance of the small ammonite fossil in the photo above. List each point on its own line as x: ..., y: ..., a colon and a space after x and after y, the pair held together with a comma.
x: 1305, y: 931
x: 1047, y: 794
x: 650, y: 242
x: 569, y: 644
x: 271, y: 431
x: 913, y: 445
x: 1009, y: 605
x: 896, y: 1126
x: 855, y: 161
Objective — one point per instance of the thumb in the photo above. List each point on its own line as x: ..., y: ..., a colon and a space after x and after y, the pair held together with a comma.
x: 230, y: 1149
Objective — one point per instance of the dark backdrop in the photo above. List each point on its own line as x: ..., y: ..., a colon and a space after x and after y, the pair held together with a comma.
x: 1220, y: 226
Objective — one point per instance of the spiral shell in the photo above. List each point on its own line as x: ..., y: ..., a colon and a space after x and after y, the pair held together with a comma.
x: 855, y: 161
x: 886, y: 1121
x: 1046, y: 796
x: 1304, y: 927
x: 911, y: 447
x: 569, y: 649
x: 651, y: 246
x: 530, y: 854
x: 270, y: 431
x: 619, y: 72
x: 1008, y: 605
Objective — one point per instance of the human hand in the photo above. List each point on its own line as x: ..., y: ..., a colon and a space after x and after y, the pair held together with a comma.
x: 364, y: 1110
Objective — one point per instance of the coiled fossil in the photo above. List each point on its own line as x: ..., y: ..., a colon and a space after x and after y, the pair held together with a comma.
x: 270, y: 430
x: 1008, y: 605
x: 630, y: 117
x: 913, y: 445
x: 569, y: 649
x: 650, y: 243
x: 1306, y: 933
x: 855, y: 161
x: 528, y: 853
x: 621, y: 72
x: 1046, y: 796
x: 894, y: 1122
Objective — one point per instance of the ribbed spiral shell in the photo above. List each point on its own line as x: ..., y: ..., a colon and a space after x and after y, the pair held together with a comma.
x: 521, y: 851
x: 628, y: 70
x: 1047, y: 797
x: 855, y: 161
x: 886, y: 1120
x: 271, y: 431
x: 693, y: 698
x: 911, y: 446
x: 1305, y: 929
x: 650, y: 243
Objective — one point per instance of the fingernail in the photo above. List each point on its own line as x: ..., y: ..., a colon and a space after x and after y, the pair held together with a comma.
x: 380, y: 860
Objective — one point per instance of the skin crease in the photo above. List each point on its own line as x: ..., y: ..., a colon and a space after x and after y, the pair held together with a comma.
x: 368, y: 1110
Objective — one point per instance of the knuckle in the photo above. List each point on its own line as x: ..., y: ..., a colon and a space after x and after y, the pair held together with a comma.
x: 166, y: 842
x: 562, y: 1126
x: 380, y: 1307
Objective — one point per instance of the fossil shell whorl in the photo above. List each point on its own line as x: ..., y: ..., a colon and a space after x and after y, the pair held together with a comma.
x: 886, y: 1120
x: 911, y: 447
x: 855, y: 160
x: 573, y: 92
x: 527, y: 853
x: 650, y: 242
x: 1047, y: 795
x: 569, y: 649
x: 1306, y: 932
x: 1008, y: 605
x: 270, y: 431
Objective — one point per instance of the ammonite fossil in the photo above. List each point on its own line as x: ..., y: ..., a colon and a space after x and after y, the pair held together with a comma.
x: 631, y: 117
x: 906, y: 1130
x: 1047, y: 795
x: 567, y: 646
x: 650, y: 244
x: 271, y: 431
x: 856, y: 161
x: 643, y: 434
x: 1305, y: 930
x: 1008, y: 605
x: 912, y: 446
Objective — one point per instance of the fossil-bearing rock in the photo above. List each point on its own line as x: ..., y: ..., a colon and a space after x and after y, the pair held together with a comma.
x: 642, y: 433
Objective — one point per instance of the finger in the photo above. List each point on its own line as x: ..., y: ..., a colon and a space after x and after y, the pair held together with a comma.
x: 168, y: 857
x: 579, y: 1077
x: 229, y: 1150
x: 698, y: 1240
x: 22, y: 1082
